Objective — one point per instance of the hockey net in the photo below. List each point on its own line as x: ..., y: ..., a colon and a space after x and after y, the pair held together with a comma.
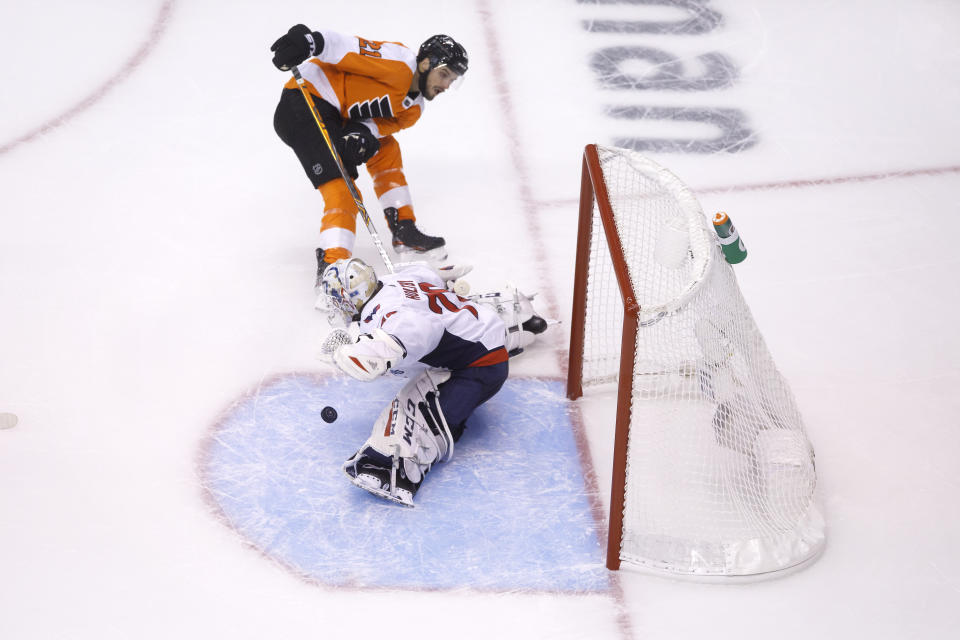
x: 713, y: 474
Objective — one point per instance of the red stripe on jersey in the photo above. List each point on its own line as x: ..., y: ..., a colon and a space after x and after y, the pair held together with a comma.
x: 494, y: 357
x: 384, y: 318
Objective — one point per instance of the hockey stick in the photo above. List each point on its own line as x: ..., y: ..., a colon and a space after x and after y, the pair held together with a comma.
x: 343, y: 172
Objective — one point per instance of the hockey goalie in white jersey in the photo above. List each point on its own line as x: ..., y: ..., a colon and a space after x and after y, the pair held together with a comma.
x: 455, y: 351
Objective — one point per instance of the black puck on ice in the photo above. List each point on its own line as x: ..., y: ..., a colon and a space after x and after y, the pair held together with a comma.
x: 329, y: 414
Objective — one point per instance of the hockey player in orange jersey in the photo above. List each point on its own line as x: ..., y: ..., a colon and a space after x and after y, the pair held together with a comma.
x: 365, y: 91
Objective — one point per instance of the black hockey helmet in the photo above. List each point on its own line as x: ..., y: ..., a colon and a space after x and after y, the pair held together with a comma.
x: 444, y: 50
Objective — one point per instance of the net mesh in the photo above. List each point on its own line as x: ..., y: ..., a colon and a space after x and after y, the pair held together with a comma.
x: 720, y: 473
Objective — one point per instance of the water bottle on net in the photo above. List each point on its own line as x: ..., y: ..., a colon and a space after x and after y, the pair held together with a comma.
x: 730, y: 242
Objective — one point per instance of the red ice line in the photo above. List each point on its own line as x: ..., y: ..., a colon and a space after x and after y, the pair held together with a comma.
x: 819, y: 182
x: 796, y: 184
x: 127, y: 69
x: 530, y: 211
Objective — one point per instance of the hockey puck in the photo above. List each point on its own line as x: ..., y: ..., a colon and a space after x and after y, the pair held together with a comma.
x: 8, y: 420
x: 329, y: 414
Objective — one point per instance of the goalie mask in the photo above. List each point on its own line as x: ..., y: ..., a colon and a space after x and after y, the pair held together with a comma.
x: 348, y: 284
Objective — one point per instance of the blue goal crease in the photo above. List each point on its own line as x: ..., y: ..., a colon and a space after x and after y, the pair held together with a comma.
x: 509, y: 512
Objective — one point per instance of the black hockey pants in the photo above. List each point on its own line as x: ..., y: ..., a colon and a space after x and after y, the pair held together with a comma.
x: 295, y: 125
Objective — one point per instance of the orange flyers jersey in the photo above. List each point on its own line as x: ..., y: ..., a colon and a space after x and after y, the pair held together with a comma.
x: 366, y: 80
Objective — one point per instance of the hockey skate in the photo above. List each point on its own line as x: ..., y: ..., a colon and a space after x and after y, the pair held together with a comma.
x: 408, y: 238
x: 516, y: 310
x: 381, y: 475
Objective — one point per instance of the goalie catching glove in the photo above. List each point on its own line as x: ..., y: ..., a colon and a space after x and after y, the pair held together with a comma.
x: 370, y: 356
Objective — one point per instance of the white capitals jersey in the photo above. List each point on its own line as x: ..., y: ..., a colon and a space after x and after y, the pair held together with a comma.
x: 436, y: 327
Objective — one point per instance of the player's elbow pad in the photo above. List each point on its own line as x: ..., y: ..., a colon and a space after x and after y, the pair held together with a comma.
x: 370, y: 356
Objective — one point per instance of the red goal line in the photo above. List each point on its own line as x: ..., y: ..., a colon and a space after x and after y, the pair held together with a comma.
x: 797, y: 184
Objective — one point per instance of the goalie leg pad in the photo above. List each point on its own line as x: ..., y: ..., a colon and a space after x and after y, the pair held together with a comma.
x: 408, y: 438
x: 428, y: 407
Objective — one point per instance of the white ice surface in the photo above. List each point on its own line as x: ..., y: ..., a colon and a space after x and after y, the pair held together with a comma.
x: 156, y: 262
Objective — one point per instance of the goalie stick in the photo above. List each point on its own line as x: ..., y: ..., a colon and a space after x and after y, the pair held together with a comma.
x: 301, y: 83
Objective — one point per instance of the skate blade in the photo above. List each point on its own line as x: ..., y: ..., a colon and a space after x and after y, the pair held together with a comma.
x: 372, y: 485
x: 433, y: 255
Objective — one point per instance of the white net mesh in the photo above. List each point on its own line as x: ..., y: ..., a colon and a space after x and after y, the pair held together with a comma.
x: 720, y: 474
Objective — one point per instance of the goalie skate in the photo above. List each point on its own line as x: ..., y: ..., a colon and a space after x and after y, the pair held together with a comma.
x: 516, y: 310
x: 383, y: 476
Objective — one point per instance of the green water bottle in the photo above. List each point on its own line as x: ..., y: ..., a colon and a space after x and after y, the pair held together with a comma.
x: 730, y: 242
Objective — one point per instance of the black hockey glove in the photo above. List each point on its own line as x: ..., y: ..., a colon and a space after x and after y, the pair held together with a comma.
x: 296, y: 46
x: 357, y: 145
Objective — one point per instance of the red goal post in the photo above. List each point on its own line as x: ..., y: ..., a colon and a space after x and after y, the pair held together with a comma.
x: 593, y: 193
x: 713, y: 475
